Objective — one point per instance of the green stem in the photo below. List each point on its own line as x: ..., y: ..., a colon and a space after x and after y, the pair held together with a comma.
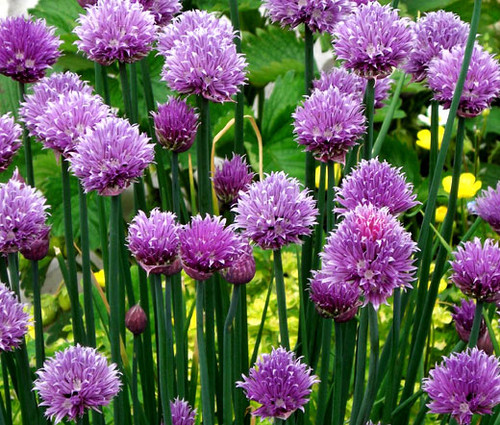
x: 28, y: 155
x: 330, y: 215
x: 434, y: 138
x: 176, y: 189
x: 203, y: 158
x: 476, y: 324
x: 37, y: 308
x: 14, y: 273
x: 496, y: 347
x: 6, y: 386
x: 370, y: 112
x: 394, y: 3
x: 135, y: 386
x: 359, y: 378
x: 127, y: 101
x: 101, y: 82
x: 134, y: 104
x: 169, y: 336
x: 240, y: 346
x: 324, y: 371
x: 103, y: 233
x: 255, y: 352
x: 180, y: 338
x: 281, y: 295
x: 348, y: 345
x: 338, y: 376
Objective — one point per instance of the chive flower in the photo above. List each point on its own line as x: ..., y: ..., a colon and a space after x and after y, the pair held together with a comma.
x: 487, y: 207
x: 182, y: 412
x: 14, y: 320
x: 231, y: 177
x: 242, y: 271
x: 10, y: 140
x: 463, y: 316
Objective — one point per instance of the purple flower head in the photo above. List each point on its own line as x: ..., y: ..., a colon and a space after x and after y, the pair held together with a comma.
x: 377, y: 183
x: 75, y: 380
x: 280, y: 382
x: 85, y: 3
x: 46, y: 90
x: 464, y: 384
x: 373, y: 40
x: 350, y: 83
x: 207, y: 246
x: 28, y: 48
x: 39, y: 249
x: 434, y: 32
x: 136, y: 320
x: 176, y: 124
x: 487, y: 207
x: 482, y: 84
x: 476, y: 270
x: 164, y: 11
x: 243, y: 269
x: 154, y: 242
x: 67, y: 119
x: 22, y: 215
x: 329, y: 123
x: 234, y: 175
x: 369, y: 249
x: 14, y: 320
x: 464, y: 318
x: 111, y: 156
x: 182, y: 412
x: 115, y: 30
x: 334, y: 300
x: 274, y: 212
x: 10, y: 141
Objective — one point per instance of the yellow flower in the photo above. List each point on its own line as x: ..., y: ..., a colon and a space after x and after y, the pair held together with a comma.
x: 441, y: 213
x: 336, y: 169
x: 99, y: 277
x: 424, y: 138
x: 467, y: 185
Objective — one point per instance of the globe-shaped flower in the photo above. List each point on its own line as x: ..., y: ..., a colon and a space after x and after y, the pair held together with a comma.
x: 318, y: 15
x: 464, y: 318
x: 482, y: 84
x: 464, y: 384
x: 242, y: 271
x: 75, y: 380
x: 154, y: 242
x: 377, y: 183
x: 487, y: 207
x: 373, y: 40
x: 274, y: 212
x: 329, y: 124
x: 207, y: 246
x: 280, y: 382
x: 28, y: 48
x: 66, y: 120
x: 115, y: 30
x: 369, y: 249
x: 39, y: 249
x: 164, y: 11
x: 10, y: 141
x: 231, y: 177
x: 46, y: 90
x: 22, y: 215
x: 14, y: 320
x: 476, y: 270
x: 182, y: 412
x: 176, y: 124
x: 111, y: 156
x: 434, y: 32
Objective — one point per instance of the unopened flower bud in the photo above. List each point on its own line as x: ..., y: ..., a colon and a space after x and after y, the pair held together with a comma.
x: 39, y: 248
x: 243, y: 270
x: 136, y: 320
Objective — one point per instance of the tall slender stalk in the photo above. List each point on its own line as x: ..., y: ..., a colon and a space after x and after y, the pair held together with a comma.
x: 169, y: 338
x: 359, y: 378
x: 476, y: 324
x: 281, y: 295
x: 203, y: 157
x: 324, y: 371
x: 37, y: 309
x: 337, y: 417
x: 370, y: 112
x: 28, y: 155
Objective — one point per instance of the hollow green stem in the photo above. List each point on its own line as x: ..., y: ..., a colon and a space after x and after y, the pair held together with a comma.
x: 6, y: 386
x: 135, y: 386
x: 37, y: 309
x: 370, y: 112
x: 14, y: 273
x: 127, y: 101
x: 324, y: 371
x: 476, y: 324
x: 434, y: 138
x: 330, y: 215
x: 255, y: 352
x: 169, y: 336
x: 359, y: 378
x: 281, y: 295
x: 338, y: 377
x: 28, y: 155
x: 203, y: 158
x: 180, y: 337
x: 176, y: 189
x: 134, y: 104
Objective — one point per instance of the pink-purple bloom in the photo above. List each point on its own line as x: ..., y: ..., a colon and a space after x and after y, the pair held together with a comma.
x: 464, y: 318
x: 111, y: 156
x: 14, y: 320
x: 482, y: 84
x: 242, y: 271
x: 164, y: 11
x: 231, y: 177
x: 39, y: 249
x: 275, y: 212
x: 29, y: 48
x: 208, y: 246
x: 280, y: 383
x: 329, y: 124
x: 176, y: 124
x: 75, y: 380
x: 487, y: 207
x: 373, y: 40
x: 476, y: 270
x: 154, y: 242
x: 182, y: 412
x: 464, y: 384
x: 10, y: 140
x: 136, y: 320
x: 435, y: 31
x: 377, y: 183
x: 115, y: 30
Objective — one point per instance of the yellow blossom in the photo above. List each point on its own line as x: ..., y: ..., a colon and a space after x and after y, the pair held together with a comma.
x: 99, y: 277
x: 441, y: 213
x: 424, y: 138
x: 467, y: 185
x: 336, y: 169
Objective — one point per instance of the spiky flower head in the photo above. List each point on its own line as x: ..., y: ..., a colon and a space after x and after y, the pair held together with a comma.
x: 482, y: 84
x: 154, y: 242
x: 435, y: 31
x: 164, y: 11
x: 476, y: 270
x: 10, y: 140
x: 66, y: 119
x: 29, y: 47
x: 318, y: 15
x: 176, y: 124
x: 280, y: 382
x: 231, y: 177
x: 464, y: 384
x: 377, y: 183
x: 464, y: 318
x: 115, y: 30
x: 243, y: 269
x: 111, y: 156
x: 373, y: 40
x: 14, y: 320
x: 182, y: 412
x: 349, y: 82
x: 329, y: 123
x: 487, y: 207
x: 274, y: 212
x: 207, y: 246
x: 23, y: 213
x: 370, y: 249
x: 75, y: 380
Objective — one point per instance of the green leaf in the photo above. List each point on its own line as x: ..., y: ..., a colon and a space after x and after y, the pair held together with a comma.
x: 60, y: 13
x: 223, y: 6
x: 9, y: 97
